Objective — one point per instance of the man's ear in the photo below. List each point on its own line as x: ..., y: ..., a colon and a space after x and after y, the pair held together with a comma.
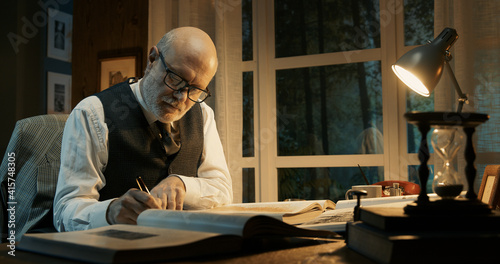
x: 153, y: 54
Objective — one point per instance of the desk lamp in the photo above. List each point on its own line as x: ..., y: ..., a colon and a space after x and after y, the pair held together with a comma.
x: 421, y: 69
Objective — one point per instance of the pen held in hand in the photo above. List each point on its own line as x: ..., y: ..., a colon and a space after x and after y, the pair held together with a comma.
x: 141, y: 184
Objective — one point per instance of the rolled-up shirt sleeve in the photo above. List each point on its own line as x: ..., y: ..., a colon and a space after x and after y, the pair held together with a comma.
x: 83, y: 157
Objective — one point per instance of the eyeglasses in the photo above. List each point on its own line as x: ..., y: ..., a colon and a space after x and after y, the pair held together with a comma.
x: 176, y: 83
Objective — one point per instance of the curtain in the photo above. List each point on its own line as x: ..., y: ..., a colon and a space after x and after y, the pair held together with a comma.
x: 476, y: 64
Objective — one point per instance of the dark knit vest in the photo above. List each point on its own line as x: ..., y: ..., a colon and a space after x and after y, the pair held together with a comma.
x: 135, y: 150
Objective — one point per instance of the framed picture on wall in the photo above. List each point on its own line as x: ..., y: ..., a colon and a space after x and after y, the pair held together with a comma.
x: 117, y: 66
x: 58, y: 93
x: 59, y: 32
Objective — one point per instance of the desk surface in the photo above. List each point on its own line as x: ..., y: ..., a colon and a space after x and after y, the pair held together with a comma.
x: 331, y: 251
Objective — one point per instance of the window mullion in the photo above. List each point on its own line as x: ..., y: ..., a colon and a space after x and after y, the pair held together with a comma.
x: 266, y: 174
x: 390, y: 95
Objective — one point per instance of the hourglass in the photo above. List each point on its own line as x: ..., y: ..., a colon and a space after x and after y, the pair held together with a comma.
x: 447, y: 138
x: 446, y: 142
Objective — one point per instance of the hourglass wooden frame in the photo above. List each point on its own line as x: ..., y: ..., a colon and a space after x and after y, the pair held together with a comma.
x: 424, y: 121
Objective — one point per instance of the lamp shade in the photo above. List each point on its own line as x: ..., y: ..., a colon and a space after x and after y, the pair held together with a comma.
x: 422, y: 67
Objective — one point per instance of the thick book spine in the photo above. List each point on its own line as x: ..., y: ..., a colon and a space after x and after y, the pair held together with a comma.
x: 422, y: 247
x: 369, y: 243
x: 394, y: 219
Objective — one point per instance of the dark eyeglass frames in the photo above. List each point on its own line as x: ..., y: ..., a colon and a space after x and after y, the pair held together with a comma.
x: 177, y: 83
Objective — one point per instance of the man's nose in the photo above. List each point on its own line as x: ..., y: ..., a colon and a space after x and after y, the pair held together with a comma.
x: 181, y: 95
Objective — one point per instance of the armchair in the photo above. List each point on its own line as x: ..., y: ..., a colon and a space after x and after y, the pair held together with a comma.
x: 35, y: 150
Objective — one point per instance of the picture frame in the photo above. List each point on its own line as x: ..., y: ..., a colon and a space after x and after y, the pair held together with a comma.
x: 58, y: 93
x: 116, y: 66
x: 59, y: 35
x: 489, y: 192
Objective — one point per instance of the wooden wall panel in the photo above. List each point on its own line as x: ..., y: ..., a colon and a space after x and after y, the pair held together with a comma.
x: 102, y: 26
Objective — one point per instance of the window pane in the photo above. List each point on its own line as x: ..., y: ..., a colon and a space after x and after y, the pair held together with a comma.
x: 323, y: 183
x: 416, y: 102
x: 248, y: 115
x: 315, y: 27
x: 247, y: 21
x: 248, y: 185
x: 330, y: 110
x: 419, y: 21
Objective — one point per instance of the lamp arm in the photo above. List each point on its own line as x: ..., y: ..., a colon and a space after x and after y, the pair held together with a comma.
x: 462, y: 98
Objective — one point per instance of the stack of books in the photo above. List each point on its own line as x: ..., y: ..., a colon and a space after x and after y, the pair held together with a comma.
x: 388, y: 235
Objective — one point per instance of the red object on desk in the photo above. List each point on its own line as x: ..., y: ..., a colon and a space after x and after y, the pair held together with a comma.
x: 408, y: 187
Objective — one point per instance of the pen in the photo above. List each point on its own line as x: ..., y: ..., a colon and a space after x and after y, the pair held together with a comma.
x: 142, y: 185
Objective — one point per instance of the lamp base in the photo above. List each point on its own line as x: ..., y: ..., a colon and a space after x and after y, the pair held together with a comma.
x: 456, y: 207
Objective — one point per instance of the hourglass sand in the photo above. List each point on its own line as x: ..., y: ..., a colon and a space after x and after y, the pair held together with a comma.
x: 446, y: 142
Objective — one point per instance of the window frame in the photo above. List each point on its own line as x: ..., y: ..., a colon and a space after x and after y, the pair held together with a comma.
x: 264, y: 65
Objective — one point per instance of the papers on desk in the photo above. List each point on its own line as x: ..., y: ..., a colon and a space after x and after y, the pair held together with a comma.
x: 392, y: 201
x: 336, y: 220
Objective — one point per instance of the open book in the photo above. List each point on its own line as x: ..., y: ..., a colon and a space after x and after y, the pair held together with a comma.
x: 290, y: 212
x: 162, y: 235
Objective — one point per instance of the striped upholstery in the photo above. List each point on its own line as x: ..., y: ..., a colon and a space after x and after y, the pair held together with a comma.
x: 36, y: 142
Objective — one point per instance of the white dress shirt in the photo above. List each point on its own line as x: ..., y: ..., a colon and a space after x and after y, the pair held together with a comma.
x: 84, y: 155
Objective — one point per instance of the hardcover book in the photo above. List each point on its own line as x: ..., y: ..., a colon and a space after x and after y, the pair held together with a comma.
x: 394, y: 219
x: 423, y: 247
x: 162, y: 235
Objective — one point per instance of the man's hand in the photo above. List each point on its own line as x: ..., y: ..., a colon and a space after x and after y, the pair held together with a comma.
x: 127, y: 208
x: 171, y: 192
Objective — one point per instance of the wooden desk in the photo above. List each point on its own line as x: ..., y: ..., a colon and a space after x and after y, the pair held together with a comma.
x: 317, y: 251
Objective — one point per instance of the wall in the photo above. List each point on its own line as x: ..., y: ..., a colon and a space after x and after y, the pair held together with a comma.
x: 97, y: 26
x: 101, y: 26
x: 24, y: 66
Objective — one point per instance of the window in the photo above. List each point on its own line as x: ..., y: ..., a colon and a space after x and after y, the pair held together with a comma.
x: 320, y: 105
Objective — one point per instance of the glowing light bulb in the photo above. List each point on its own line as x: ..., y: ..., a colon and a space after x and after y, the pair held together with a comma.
x: 411, y: 80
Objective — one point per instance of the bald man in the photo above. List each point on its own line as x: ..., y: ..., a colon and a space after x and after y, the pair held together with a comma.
x: 158, y: 128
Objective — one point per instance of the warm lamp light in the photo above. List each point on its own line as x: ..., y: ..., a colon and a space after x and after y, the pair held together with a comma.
x: 411, y: 80
x: 421, y: 68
